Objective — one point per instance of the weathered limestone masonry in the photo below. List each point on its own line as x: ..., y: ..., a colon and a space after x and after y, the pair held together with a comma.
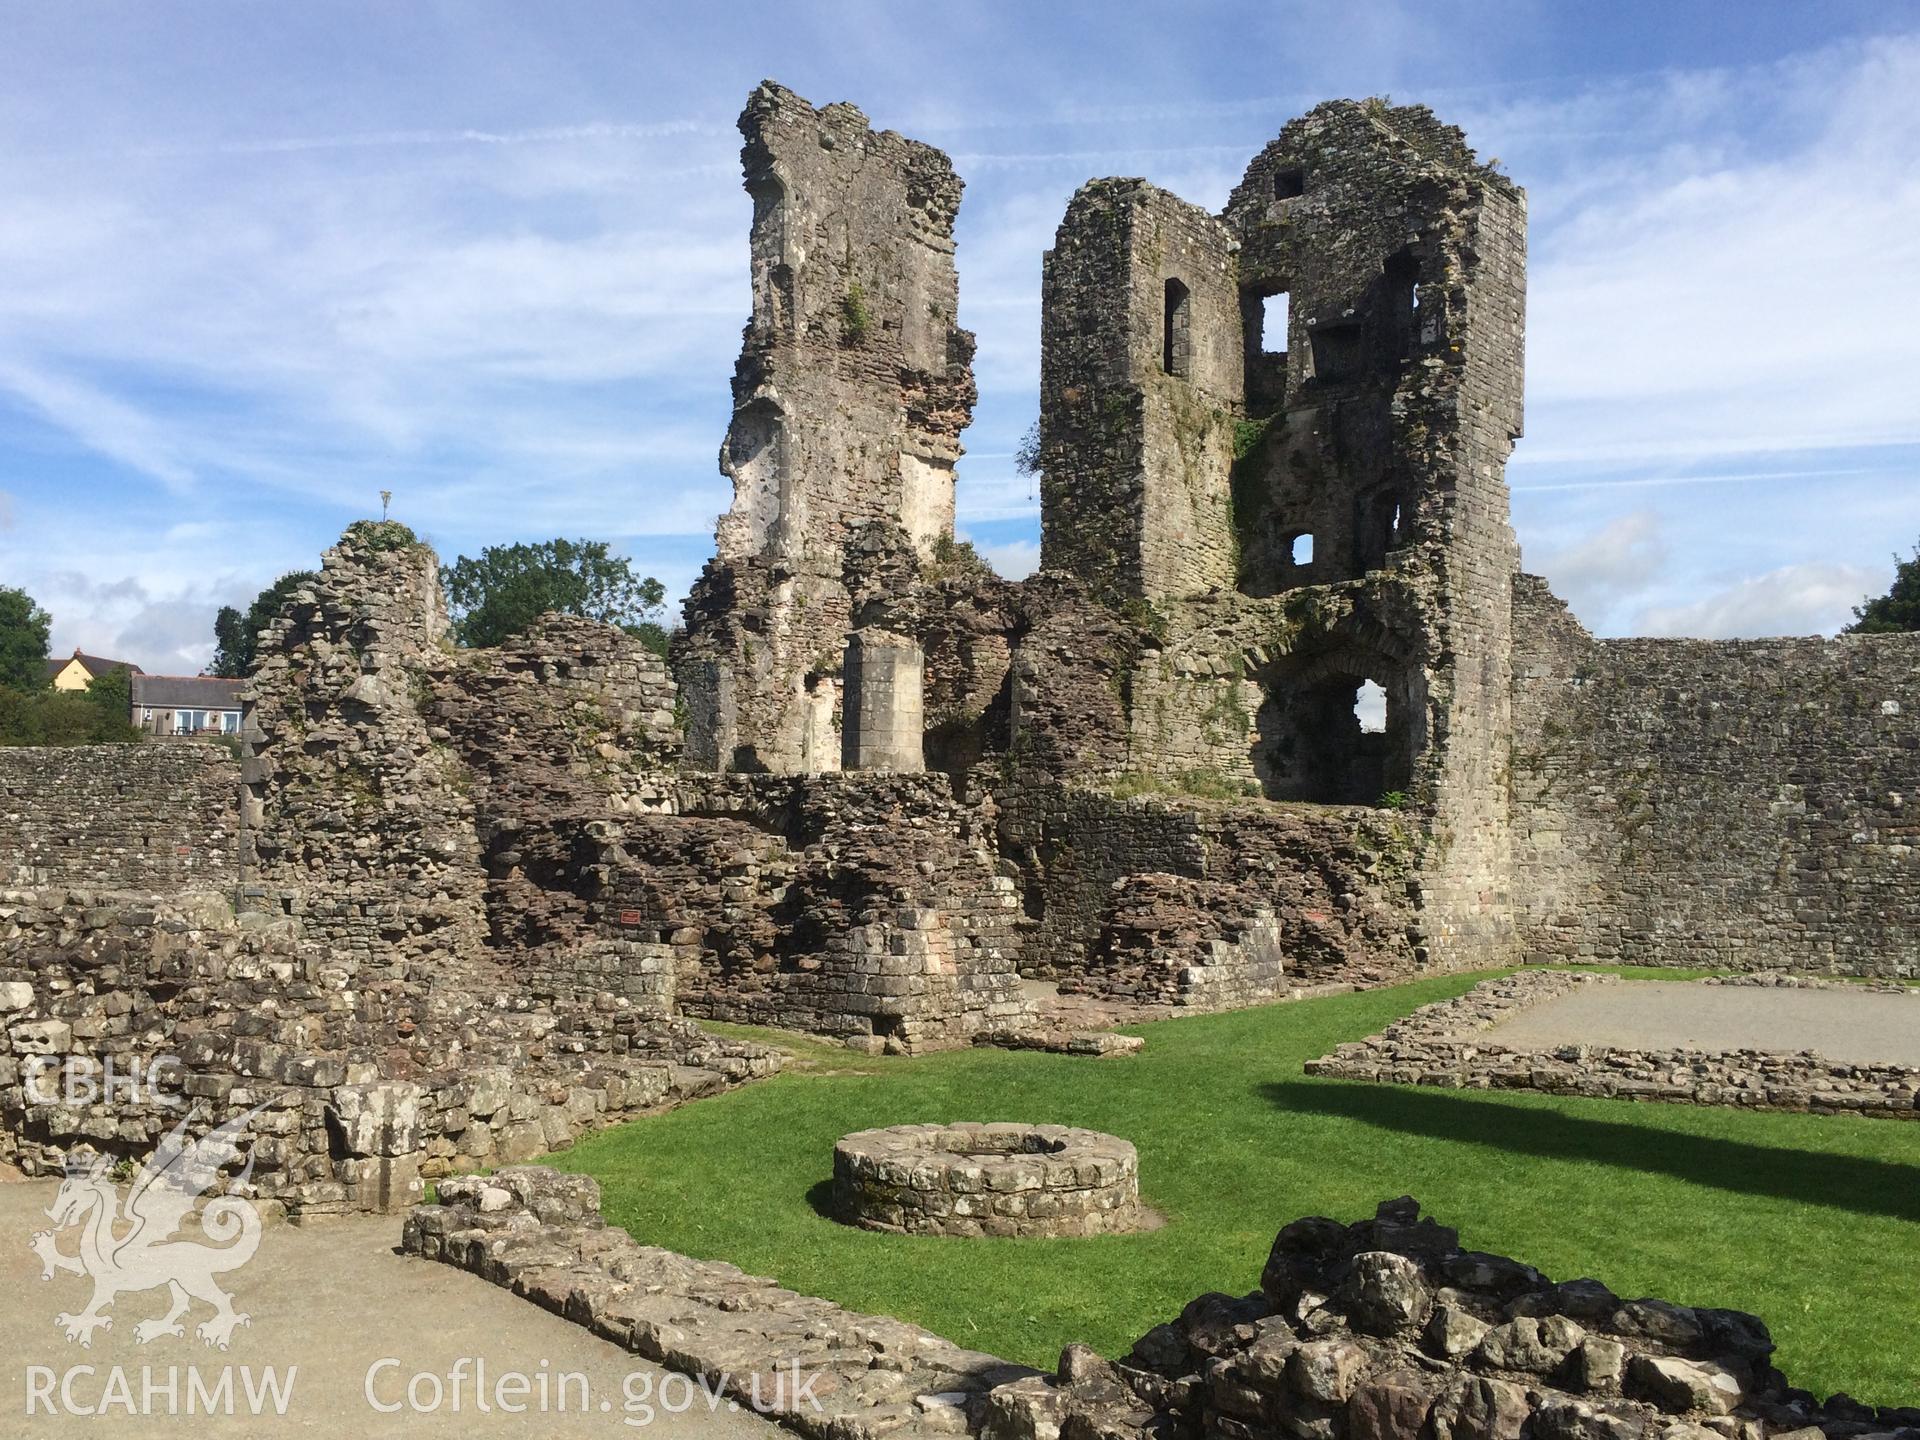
x: 362, y: 1087
x: 353, y: 1011
x: 865, y: 906
x: 1272, y: 519
x: 1746, y: 804
x: 853, y: 386
x: 1141, y: 379
x: 998, y: 1179
x: 1446, y: 1044
x: 120, y: 817
x: 1382, y: 1330
x: 356, y: 817
x: 1209, y: 904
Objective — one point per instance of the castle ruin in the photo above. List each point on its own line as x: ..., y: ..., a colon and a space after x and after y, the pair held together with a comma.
x: 452, y: 907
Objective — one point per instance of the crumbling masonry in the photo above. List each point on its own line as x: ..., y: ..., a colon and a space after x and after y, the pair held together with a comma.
x: 452, y: 907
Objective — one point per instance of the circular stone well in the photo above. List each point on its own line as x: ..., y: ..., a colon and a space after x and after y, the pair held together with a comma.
x: 987, y: 1179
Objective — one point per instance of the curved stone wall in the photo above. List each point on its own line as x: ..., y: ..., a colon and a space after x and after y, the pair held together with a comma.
x: 993, y: 1179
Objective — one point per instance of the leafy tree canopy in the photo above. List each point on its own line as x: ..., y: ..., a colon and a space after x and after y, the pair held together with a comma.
x: 509, y: 586
x: 23, y: 641
x: 1897, y: 610
x: 238, y: 635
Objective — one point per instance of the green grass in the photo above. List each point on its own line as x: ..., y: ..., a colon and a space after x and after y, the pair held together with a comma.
x: 1811, y: 1222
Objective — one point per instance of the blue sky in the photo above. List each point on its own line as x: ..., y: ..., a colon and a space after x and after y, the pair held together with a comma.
x: 260, y: 262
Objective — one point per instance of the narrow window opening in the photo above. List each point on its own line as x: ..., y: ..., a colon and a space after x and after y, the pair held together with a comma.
x: 1300, y: 548
x: 1289, y: 183
x: 1174, y: 356
x: 1273, y: 323
x: 1370, y: 707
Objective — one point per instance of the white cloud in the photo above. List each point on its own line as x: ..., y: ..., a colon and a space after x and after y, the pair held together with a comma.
x: 1620, y: 560
x: 1013, y: 560
x: 1709, y: 296
x: 1793, y: 600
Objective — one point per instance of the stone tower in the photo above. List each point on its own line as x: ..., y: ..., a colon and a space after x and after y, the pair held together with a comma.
x: 1140, y: 381
x: 853, y: 385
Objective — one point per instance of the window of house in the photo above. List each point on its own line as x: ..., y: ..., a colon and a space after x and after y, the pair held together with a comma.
x: 229, y: 722
x: 1176, y: 338
x: 1289, y: 182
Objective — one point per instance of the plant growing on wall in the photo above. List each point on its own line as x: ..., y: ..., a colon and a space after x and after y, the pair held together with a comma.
x: 856, y: 320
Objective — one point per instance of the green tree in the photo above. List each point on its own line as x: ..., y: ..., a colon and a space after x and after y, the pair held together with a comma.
x: 509, y: 586
x: 1896, y: 611
x: 98, y: 715
x: 23, y: 641
x: 237, y: 635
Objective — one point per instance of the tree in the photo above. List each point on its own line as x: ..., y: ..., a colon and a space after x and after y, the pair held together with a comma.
x: 1896, y: 611
x: 98, y: 715
x: 237, y: 636
x: 24, y: 628
x: 1026, y: 454
x: 509, y: 586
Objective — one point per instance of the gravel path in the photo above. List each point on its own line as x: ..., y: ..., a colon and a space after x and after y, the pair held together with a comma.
x: 1853, y: 1028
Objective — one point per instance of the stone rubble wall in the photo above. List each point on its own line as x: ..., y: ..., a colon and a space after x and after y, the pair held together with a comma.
x: 853, y: 385
x: 859, y: 1377
x: 1388, y: 1330
x: 358, y: 818
x: 1381, y: 1330
x: 1446, y: 1044
x: 1747, y: 804
x: 119, y: 817
x: 1170, y: 900
x: 867, y: 906
x: 369, y: 1086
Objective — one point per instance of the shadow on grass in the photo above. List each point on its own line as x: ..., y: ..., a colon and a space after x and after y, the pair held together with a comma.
x: 1810, y: 1177
x: 820, y: 1200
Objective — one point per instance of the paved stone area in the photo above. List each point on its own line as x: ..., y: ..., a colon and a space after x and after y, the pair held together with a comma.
x: 1855, y: 1028
x: 331, y: 1299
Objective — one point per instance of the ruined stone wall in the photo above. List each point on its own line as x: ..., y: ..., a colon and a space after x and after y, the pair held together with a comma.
x: 863, y: 906
x: 1381, y: 1330
x: 560, y: 731
x: 852, y: 388
x: 358, y: 818
x: 120, y: 817
x: 1177, y: 900
x: 1140, y: 382
x: 1744, y: 804
x: 367, y: 1085
x: 1385, y: 418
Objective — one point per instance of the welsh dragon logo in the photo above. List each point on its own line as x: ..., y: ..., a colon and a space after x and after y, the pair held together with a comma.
x: 135, y: 1248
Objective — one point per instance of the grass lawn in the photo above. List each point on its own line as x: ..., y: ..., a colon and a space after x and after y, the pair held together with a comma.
x: 1813, y: 1223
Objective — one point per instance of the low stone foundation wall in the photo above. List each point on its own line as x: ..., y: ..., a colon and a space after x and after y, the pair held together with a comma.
x: 1004, y: 1180
x: 366, y: 1086
x: 1388, y: 1330
x: 1444, y: 1044
x: 829, y: 1373
x: 1382, y: 1330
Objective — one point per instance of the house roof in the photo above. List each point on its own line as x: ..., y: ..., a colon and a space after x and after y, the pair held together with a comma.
x: 96, y: 665
x: 190, y: 692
